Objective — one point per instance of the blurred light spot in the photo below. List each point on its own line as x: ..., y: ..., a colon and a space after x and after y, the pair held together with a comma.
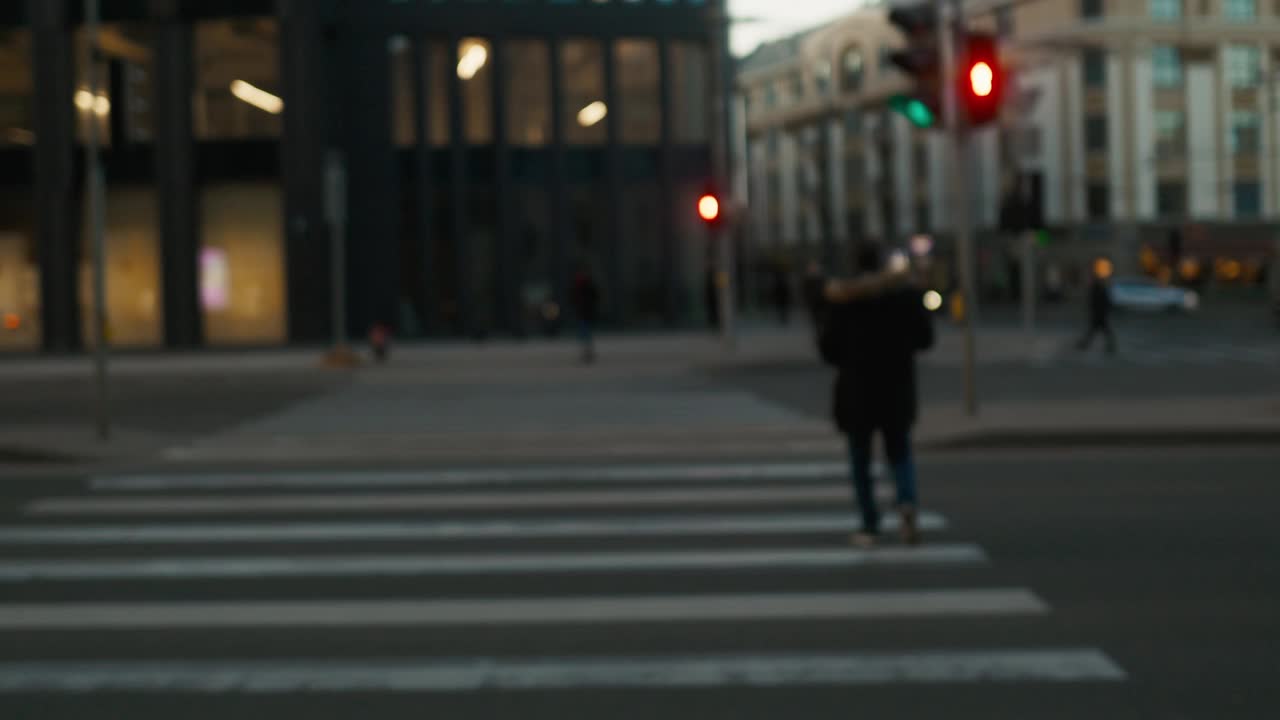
x: 550, y: 311
x: 1103, y: 268
x: 592, y: 114
x: 933, y: 301
x: 898, y: 261
x: 472, y: 60
x: 12, y: 321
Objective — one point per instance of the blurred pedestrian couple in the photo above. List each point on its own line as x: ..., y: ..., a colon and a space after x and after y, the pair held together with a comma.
x: 873, y: 327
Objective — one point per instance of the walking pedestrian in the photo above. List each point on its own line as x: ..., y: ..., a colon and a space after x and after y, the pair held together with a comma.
x: 586, y: 301
x: 876, y: 325
x: 1100, y: 306
x: 815, y: 282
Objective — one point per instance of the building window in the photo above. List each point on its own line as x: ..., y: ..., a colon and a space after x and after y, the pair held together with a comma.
x: 921, y: 160
x: 1248, y: 199
x: 690, y: 90
x: 1246, y: 133
x: 1171, y: 199
x: 1004, y: 22
x: 1171, y: 128
x: 1243, y: 66
x: 822, y: 77
x: 528, y: 92
x: 1091, y: 9
x: 1095, y: 68
x: 1098, y: 201
x: 852, y: 123
x: 770, y: 96
x: 1166, y: 66
x: 17, y: 117
x: 639, y: 91
x: 404, y: 132
x: 854, y: 170
x: 797, y: 86
x: 242, y: 283
x: 1095, y: 133
x: 852, y: 67
x: 583, y: 111
x: 475, y: 73
x: 774, y: 141
x: 1166, y: 9
x: 1244, y: 10
x: 237, y: 80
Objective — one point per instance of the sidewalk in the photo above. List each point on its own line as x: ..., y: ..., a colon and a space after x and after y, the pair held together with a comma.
x: 648, y: 399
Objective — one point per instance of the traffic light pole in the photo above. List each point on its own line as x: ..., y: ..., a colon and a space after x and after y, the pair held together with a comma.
x: 950, y: 27
x: 722, y: 232
x: 95, y: 191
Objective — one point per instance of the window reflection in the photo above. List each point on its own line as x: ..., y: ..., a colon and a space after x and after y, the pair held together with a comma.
x: 690, y: 88
x: 237, y: 80
x: 475, y: 71
x: 403, y: 130
x: 528, y: 93
x: 638, y: 87
x: 439, y: 67
x: 17, y: 121
x: 583, y: 105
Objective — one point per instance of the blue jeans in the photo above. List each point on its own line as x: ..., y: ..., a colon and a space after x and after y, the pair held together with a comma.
x: 897, y: 446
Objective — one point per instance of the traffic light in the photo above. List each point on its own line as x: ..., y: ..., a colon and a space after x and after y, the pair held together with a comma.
x: 709, y: 208
x: 979, y: 80
x: 920, y: 59
x: 982, y: 79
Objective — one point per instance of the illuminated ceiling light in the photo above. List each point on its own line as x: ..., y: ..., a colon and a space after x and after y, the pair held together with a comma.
x: 257, y: 97
x: 933, y: 301
x: 84, y: 100
x: 592, y: 114
x: 102, y: 106
x: 472, y: 60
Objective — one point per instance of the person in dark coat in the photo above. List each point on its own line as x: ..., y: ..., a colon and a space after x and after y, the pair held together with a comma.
x: 815, y: 282
x: 586, y: 301
x: 782, y: 294
x: 1099, y: 313
x: 875, y: 327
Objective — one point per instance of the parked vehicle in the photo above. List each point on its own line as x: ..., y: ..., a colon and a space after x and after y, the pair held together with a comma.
x: 1146, y: 295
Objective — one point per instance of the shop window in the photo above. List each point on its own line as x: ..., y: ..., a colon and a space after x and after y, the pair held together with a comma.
x: 638, y: 87
x: 242, y: 264
x: 582, y: 105
x: 528, y: 93
x: 237, y: 80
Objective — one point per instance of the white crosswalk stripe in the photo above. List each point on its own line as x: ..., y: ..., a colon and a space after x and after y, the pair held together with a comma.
x: 605, y: 548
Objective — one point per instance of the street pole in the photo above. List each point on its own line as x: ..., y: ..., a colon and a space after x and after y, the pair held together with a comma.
x: 950, y: 27
x: 722, y: 234
x: 95, y: 191
x: 336, y: 215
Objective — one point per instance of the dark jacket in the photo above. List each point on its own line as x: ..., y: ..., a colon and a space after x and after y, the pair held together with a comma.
x: 872, y: 342
x: 586, y: 298
x: 1099, y: 300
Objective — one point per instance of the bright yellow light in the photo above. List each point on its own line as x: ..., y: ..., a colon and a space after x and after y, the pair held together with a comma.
x: 1103, y: 268
x: 933, y: 301
x: 1230, y: 270
x: 84, y: 100
x: 982, y: 79
x: 708, y: 207
x: 257, y: 97
x: 1189, y: 269
x: 472, y: 60
x: 101, y: 106
x: 592, y: 114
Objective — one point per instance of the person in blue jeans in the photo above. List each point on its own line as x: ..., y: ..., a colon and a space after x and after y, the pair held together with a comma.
x: 877, y: 324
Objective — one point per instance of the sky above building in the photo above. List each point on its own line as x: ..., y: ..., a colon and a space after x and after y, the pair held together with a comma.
x: 773, y: 19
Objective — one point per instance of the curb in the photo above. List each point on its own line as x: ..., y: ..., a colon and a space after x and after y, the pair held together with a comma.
x: 1105, y: 438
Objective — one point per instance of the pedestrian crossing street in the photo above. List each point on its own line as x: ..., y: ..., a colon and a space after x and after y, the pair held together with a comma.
x: 1152, y: 350
x: 550, y: 579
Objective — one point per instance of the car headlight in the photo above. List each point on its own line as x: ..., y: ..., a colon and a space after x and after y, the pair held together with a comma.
x: 1191, y: 300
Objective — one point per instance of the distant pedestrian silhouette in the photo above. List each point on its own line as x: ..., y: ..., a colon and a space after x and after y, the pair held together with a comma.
x: 876, y: 325
x: 586, y: 302
x: 782, y: 294
x: 1099, y: 309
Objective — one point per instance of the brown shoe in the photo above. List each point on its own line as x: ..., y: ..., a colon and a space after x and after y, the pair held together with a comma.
x: 862, y: 540
x: 910, y: 528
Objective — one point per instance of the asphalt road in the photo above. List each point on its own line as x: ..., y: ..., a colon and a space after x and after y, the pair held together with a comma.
x: 1052, y: 585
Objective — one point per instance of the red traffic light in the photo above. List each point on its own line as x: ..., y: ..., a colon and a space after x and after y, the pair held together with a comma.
x: 982, y: 79
x: 709, y: 208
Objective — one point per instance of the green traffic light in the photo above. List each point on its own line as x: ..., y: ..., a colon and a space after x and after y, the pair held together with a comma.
x: 914, y: 109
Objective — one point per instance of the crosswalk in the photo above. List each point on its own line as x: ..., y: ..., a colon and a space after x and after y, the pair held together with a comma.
x: 555, y: 579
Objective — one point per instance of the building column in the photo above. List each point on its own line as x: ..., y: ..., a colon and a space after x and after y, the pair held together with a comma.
x: 505, y: 259
x: 57, y: 207
x: 559, y: 254
x: 1202, y: 141
x: 613, y: 178
x: 1224, y: 105
x: 667, y: 186
x: 458, y: 196
x: 304, y: 66
x: 1145, y: 168
x: 175, y: 184
x: 425, y: 201
x: 373, y: 184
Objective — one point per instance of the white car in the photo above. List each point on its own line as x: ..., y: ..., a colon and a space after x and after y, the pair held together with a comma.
x: 1145, y: 294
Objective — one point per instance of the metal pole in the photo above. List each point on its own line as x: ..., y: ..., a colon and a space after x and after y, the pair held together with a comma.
x: 95, y: 191
x: 722, y: 235
x: 335, y: 208
x: 950, y: 29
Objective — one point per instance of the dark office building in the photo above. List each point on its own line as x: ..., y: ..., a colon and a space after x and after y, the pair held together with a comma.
x: 491, y: 150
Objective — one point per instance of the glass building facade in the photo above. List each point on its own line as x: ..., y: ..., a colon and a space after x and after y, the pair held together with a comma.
x: 490, y: 151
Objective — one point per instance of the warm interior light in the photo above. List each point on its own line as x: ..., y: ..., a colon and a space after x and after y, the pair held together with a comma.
x: 257, y: 97
x: 592, y: 114
x: 472, y: 60
x: 932, y: 300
